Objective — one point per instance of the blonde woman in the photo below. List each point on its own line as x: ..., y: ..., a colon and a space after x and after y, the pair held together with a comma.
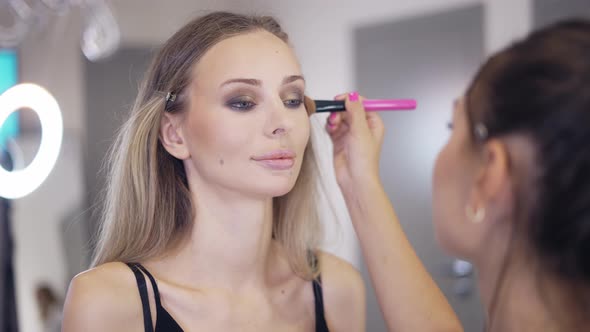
x: 209, y: 220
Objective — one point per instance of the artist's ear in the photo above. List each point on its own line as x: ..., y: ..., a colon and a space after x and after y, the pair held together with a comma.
x: 493, y: 186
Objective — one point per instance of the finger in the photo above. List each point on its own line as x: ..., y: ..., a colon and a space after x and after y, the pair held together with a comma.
x: 337, y: 132
x: 334, y: 118
x: 331, y: 128
x: 343, y: 116
x: 341, y: 96
x: 333, y: 121
x: 374, y: 120
x: 354, y: 106
x: 355, y: 114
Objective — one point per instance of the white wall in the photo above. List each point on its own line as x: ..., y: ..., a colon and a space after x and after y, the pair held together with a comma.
x: 321, y: 34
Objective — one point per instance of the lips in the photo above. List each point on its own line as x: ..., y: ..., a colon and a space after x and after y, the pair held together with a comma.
x: 276, y: 160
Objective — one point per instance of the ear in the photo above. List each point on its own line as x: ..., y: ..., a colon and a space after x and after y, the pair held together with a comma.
x: 493, y: 182
x: 171, y: 136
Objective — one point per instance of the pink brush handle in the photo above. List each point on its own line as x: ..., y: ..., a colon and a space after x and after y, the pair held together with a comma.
x: 389, y: 104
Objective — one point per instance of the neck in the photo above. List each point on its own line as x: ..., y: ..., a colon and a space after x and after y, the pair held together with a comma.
x: 230, y: 244
x: 523, y: 298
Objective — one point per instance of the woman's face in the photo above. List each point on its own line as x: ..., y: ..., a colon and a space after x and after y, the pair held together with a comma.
x: 453, y: 180
x: 246, y: 128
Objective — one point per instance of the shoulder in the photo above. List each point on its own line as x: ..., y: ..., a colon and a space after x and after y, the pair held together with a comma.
x: 344, y: 294
x: 104, y: 298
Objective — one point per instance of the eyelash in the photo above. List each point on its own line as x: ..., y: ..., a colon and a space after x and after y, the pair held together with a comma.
x: 246, y: 105
x: 298, y: 102
x: 450, y: 125
x: 241, y: 105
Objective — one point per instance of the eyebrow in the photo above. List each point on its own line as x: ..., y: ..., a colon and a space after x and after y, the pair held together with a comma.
x: 255, y: 82
x: 293, y: 78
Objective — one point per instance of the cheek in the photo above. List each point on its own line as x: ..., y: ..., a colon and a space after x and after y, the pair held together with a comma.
x: 440, y: 186
x: 301, y: 138
x: 299, y: 132
x: 217, y: 137
x: 451, y: 190
x: 446, y: 198
x: 303, y: 132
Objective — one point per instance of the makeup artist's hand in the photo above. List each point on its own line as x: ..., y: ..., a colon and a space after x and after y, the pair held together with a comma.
x: 397, y: 274
x: 357, y: 137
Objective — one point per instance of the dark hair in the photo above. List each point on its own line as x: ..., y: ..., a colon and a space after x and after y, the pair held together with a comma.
x: 540, y: 88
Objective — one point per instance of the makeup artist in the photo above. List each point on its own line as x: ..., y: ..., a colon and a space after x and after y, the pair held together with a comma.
x: 511, y: 191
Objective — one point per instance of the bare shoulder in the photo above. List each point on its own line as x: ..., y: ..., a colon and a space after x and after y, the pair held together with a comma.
x: 104, y: 298
x: 344, y: 294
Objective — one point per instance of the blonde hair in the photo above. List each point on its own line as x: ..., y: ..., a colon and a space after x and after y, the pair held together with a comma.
x: 147, y: 202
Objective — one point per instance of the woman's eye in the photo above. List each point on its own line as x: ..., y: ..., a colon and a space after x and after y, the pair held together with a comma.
x: 241, y: 105
x: 450, y: 125
x: 293, y: 103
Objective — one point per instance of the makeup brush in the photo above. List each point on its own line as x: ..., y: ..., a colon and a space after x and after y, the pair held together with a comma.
x: 320, y: 106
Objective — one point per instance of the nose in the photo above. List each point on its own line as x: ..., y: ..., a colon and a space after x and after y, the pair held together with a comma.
x: 279, y: 120
x: 279, y: 131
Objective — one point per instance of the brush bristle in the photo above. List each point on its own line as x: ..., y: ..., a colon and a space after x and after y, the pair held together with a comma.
x: 309, y: 105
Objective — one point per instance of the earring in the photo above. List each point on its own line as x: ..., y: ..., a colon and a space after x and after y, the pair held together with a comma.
x: 475, y: 216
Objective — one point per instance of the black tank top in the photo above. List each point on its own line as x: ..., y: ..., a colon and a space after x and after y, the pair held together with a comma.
x: 165, y: 322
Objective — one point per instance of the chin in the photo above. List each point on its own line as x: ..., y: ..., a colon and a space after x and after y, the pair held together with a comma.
x: 270, y: 184
x: 444, y: 239
x: 281, y: 191
x: 274, y: 188
x: 452, y: 244
x: 444, y: 243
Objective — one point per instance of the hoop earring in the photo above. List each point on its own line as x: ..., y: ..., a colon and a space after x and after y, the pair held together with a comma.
x: 475, y: 216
